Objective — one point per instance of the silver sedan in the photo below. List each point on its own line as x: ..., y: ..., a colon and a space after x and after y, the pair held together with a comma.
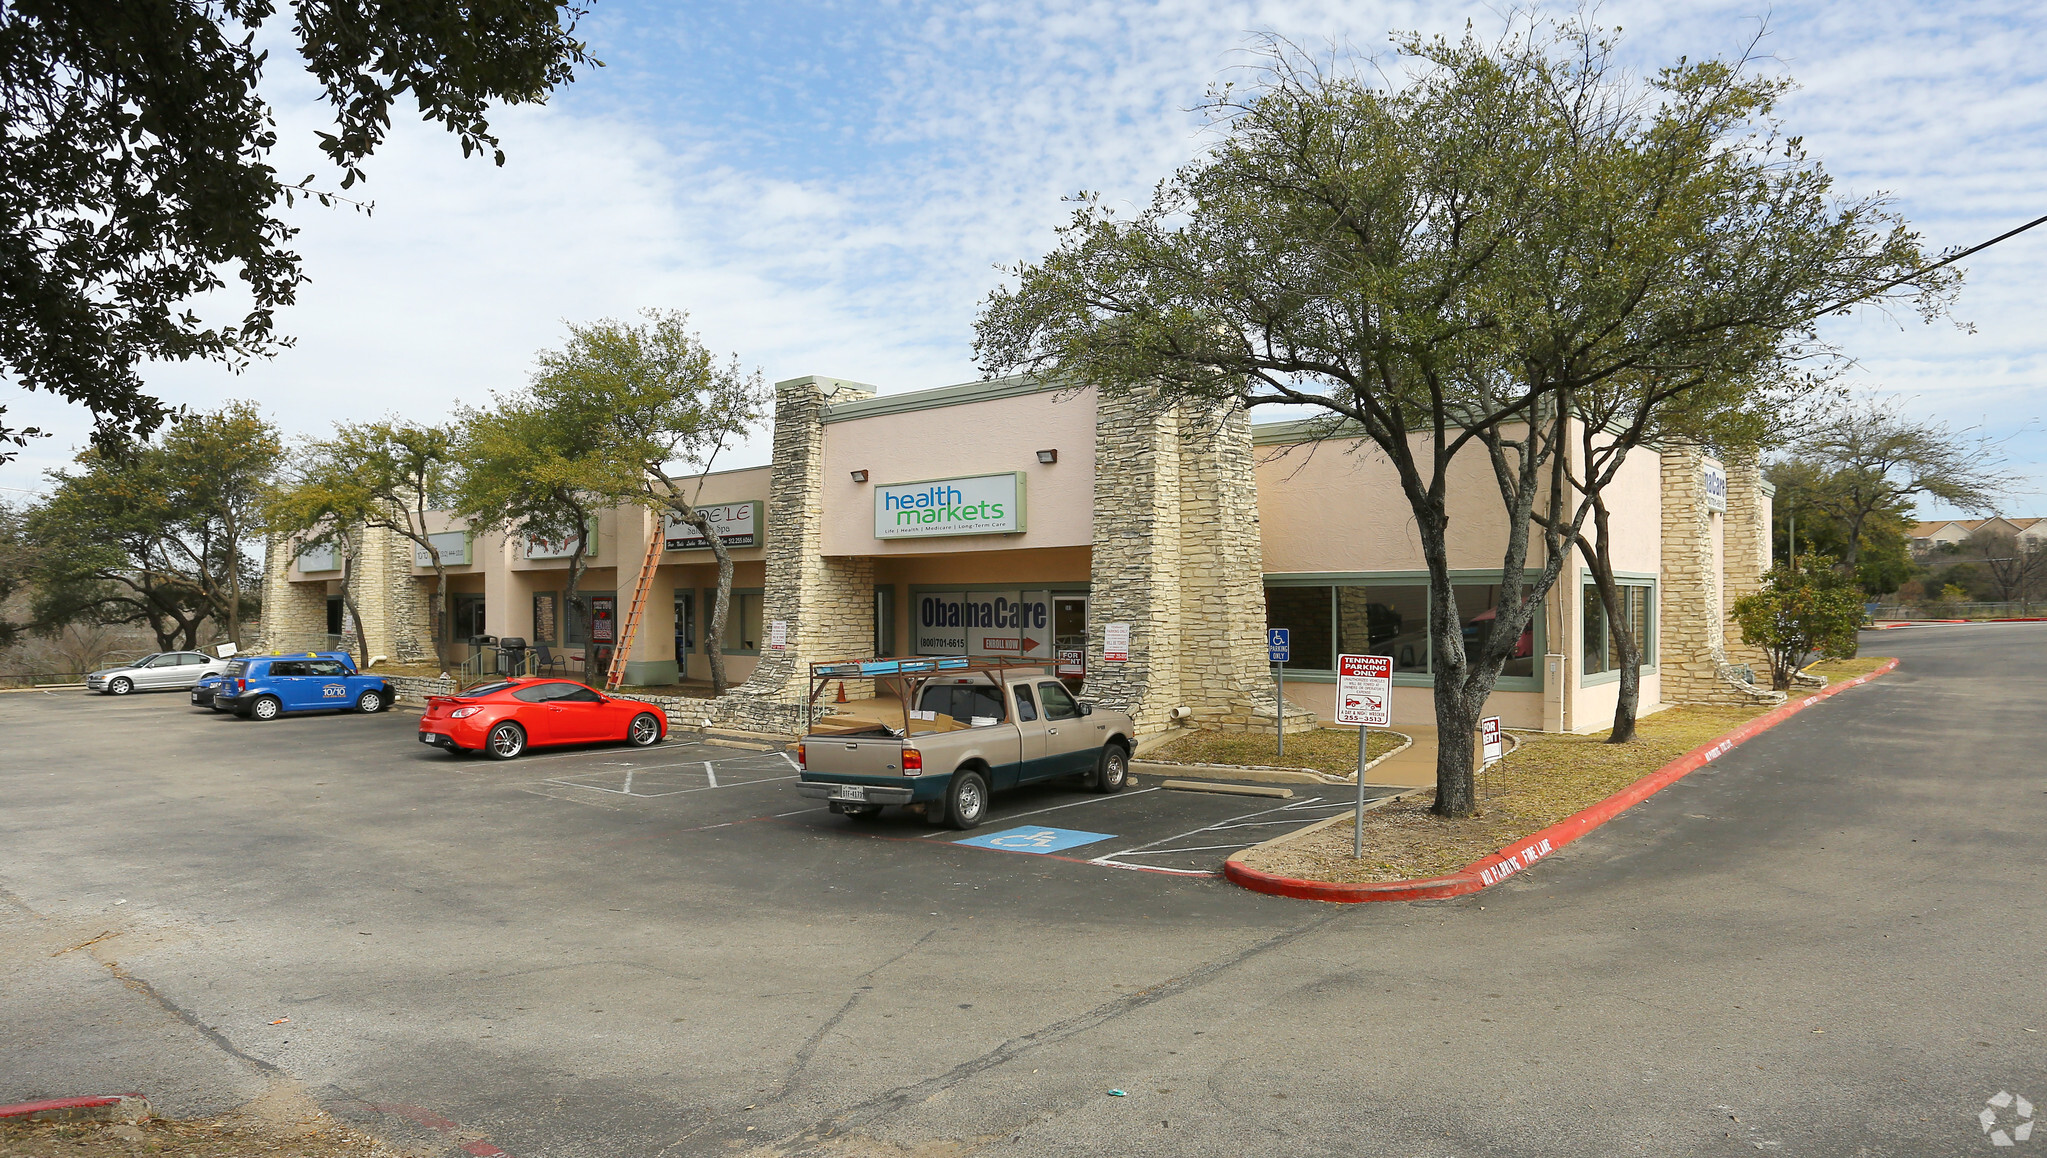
x: 164, y: 670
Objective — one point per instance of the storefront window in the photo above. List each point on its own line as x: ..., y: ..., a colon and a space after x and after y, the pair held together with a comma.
x: 1308, y: 615
x: 1391, y: 621
x: 1477, y: 607
x: 685, y: 623
x: 601, y: 607
x: 743, y: 624
x: 884, y: 622
x: 546, y: 618
x: 1600, y: 648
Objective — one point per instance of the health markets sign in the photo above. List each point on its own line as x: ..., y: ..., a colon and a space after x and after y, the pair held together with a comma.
x: 737, y: 524
x: 1003, y: 624
x: 989, y: 504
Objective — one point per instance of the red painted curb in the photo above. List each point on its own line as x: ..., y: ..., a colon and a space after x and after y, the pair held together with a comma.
x: 1529, y: 849
x: 101, y: 1108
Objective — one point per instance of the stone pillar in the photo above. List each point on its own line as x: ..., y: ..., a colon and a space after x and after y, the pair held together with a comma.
x: 1177, y: 557
x: 828, y: 603
x: 1135, y: 565
x: 1225, y: 677
x: 294, y: 614
x: 1692, y: 645
x: 393, y: 603
x: 1746, y: 550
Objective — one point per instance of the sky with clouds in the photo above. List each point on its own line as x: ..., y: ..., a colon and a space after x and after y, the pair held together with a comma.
x: 829, y: 188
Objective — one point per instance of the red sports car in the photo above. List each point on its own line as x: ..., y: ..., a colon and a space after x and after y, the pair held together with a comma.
x: 510, y: 716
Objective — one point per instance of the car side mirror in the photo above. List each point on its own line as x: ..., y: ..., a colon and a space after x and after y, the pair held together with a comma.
x: 1086, y: 708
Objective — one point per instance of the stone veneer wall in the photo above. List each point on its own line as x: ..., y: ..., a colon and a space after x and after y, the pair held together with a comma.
x: 294, y: 614
x: 394, y: 604
x: 1177, y: 556
x: 1745, y: 545
x: 1692, y: 645
x: 828, y: 603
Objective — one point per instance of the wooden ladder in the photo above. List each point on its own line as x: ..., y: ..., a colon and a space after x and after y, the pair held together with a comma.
x: 638, y: 609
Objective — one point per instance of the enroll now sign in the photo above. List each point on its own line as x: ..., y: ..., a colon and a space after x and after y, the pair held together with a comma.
x: 989, y: 504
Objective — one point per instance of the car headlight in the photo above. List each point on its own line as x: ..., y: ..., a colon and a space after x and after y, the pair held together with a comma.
x: 463, y: 713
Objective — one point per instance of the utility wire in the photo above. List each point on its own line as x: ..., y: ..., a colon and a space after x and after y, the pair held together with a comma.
x: 1950, y: 259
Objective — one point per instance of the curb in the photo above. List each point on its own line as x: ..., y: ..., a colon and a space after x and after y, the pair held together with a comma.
x: 1522, y: 853
x: 129, y: 1108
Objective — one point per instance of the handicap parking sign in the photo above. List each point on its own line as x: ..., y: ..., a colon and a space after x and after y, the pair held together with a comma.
x: 1032, y: 838
x: 1278, y: 644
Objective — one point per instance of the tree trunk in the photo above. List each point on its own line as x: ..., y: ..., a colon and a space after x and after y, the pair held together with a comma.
x: 234, y: 584
x: 573, y: 596
x: 721, y: 601
x: 1599, y: 561
x: 362, y: 642
x: 1456, y: 715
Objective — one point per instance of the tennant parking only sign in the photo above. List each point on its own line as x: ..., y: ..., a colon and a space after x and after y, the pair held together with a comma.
x: 1364, y: 690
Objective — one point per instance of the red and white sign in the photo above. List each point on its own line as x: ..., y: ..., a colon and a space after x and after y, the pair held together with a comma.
x: 1364, y: 690
x: 1072, y: 662
x: 1116, y: 643
x: 778, y: 635
x: 1491, y: 745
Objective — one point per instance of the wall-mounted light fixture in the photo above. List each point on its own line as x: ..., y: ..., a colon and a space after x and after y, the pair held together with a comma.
x: 859, y: 476
x: 1048, y: 457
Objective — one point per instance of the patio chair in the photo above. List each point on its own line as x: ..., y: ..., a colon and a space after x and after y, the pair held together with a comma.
x: 544, y: 658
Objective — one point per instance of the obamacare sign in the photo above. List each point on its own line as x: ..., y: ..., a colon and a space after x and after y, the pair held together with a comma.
x: 989, y: 504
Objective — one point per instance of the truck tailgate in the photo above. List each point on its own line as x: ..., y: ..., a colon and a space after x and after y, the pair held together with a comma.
x: 827, y: 756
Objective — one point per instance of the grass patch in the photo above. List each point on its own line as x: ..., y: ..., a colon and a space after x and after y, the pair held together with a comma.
x: 1842, y: 669
x: 1330, y: 750
x: 1547, y: 779
x: 216, y: 1139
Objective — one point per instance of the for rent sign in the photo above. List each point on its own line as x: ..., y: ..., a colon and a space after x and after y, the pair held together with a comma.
x: 989, y: 504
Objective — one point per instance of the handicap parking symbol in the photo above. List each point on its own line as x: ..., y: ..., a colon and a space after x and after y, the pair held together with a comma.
x: 1034, y: 839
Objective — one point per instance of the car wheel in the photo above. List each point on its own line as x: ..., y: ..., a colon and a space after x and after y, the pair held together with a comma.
x: 120, y: 686
x: 267, y: 708
x: 370, y: 703
x: 506, y: 741
x: 644, y: 731
x: 862, y: 811
x: 1114, y: 771
x: 966, y: 799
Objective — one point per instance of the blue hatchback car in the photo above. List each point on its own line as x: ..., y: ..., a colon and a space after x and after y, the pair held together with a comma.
x: 264, y: 687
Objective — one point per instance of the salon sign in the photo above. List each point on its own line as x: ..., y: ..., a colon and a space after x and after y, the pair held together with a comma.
x: 989, y: 504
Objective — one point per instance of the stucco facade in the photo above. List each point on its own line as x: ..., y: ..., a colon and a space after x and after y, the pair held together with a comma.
x: 1189, y: 530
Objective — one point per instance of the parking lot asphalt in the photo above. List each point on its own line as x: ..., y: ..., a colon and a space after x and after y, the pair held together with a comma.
x: 1823, y: 943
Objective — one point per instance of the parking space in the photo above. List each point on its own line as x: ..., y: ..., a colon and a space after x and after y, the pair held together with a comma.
x: 689, y: 785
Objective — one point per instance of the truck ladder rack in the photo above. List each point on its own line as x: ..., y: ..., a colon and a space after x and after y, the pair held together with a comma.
x: 615, y: 675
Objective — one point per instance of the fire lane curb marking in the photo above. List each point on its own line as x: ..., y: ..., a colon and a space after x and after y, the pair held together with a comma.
x: 1518, y: 856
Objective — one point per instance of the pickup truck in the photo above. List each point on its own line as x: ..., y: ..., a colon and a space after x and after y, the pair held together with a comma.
x: 267, y: 686
x: 952, y: 733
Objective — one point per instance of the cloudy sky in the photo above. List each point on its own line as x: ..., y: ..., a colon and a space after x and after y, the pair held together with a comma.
x: 828, y: 187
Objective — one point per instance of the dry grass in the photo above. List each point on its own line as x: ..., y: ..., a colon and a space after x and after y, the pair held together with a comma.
x: 184, y: 1140
x: 1547, y: 779
x: 1845, y: 669
x: 1330, y: 750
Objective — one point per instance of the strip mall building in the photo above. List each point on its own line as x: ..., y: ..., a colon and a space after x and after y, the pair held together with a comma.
x: 1142, y: 549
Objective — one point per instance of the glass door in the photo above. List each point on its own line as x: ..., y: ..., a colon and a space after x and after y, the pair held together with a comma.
x: 1069, y: 637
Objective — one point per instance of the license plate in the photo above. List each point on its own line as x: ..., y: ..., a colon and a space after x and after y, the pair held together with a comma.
x: 195, y: 697
x: 849, y: 792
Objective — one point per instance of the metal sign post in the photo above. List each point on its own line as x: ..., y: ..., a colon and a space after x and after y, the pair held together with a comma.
x: 1364, y: 697
x: 1278, y: 648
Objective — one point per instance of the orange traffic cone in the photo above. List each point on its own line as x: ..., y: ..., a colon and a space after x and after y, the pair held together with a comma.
x: 842, y: 691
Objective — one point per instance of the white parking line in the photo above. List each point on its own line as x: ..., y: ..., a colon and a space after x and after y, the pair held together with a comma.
x: 1246, y: 820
